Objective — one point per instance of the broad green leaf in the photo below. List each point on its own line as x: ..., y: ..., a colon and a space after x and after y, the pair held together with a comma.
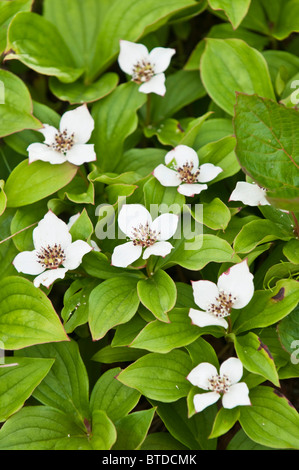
x: 8, y: 10
x: 97, y: 265
x: 104, y: 433
x: 30, y: 183
x: 3, y: 198
x: 82, y: 228
x: 161, y: 441
x: 141, y: 160
x: 215, y: 215
x: 241, y: 441
x: 15, y: 105
x: 66, y: 386
x: 158, y: 294
x: 27, y: 316
x: 287, y: 20
x: 132, y: 429
x: 37, y: 43
x: 7, y: 247
x: 291, y: 251
x: 256, y: 356
x: 114, y: 354
x: 27, y: 216
x: 271, y: 420
x: 75, y: 303
x: 229, y: 66
x: 111, y: 303
x: 235, y: 10
x: 17, y: 382
x: 288, y: 332
x: 224, y: 421
x: 269, y: 127
x: 159, y: 376
x: 221, y: 153
x: 156, y: 194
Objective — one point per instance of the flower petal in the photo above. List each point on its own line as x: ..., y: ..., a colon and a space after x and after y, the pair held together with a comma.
x: 44, y: 153
x: 165, y: 226
x: 78, y: 122
x: 250, y: 194
x: 182, y: 154
x: 158, y: 249
x: 166, y: 176
x: 48, y: 277
x: 238, y: 395
x: 130, y: 54
x: 74, y: 254
x: 131, y: 216
x: 208, y: 172
x: 191, y: 189
x: 26, y: 262
x: 155, y: 85
x: 203, y: 319
x: 126, y: 254
x: 51, y: 230
x: 238, y: 281
x: 233, y: 369
x: 160, y: 58
x: 81, y: 153
x: 205, y: 293
x: 203, y: 400
x: 200, y: 375
x: 49, y: 133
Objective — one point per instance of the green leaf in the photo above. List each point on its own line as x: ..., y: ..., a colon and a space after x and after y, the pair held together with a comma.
x: 97, y: 265
x: 271, y: 420
x: 159, y: 376
x: 104, y: 433
x: 111, y: 303
x: 229, y: 66
x: 132, y: 429
x: 287, y: 20
x: 215, y: 215
x: 221, y: 153
x: 256, y: 356
x: 37, y: 43
x: 113, y: 354
x: 288, y: 332
x: 169, y: 197
x: 291, y: 251
x: 8, y: 10
x: 27, y: 316
x: 15, y: 105
x: 235, y: 10
x: 158, y: 294
x: 17, y: 382
x: 30, y: 183
x: 27, y: 216
x: 224, y: 421
x: 3, y: 198
x: 261, y: 123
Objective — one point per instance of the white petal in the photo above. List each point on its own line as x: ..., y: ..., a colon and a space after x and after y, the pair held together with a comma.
x: 155, y: 85
x: 233, y: 369
x: 49, y: 133
x: 51, y: 230
x: 191, y: 189
x: 74, y: 254
x: 205, y: 293
x: 44, y: 153
x: 158, y: 249
x: 131, y: 216
x: 208, y: 172
x: 81, y: 153
x: 126, y: 254
x: 200, y: 375
x: 165, y: 226
x: 160, y: 58
x: 130, y: 54
x: 78, y: 121
x: 48, y: 277
x: 26, y: 262
x: 249, y: 193
x: 238, y: 395
x: 203, y: 319
x: 166, y: 176
x: 203, y: 400
x: 183, y: 154
x: 238, y: 281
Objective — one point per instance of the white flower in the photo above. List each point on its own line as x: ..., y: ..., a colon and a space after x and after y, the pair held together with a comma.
x: 206, y: 377
x: 234, y: 289
x: 54, y: 253
x: 145, y: 68
x: 136, y: 222
x: 69, y: 143
x: 250, y: 194
x: 185, y: 174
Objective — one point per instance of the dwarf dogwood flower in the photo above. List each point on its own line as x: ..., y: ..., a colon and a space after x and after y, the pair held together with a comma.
x: 54, y: 253
x: 234, y: 289
x: 185, y: 172
x: 145, y: 68
x: 69, y: 143
x: 136, y: 222
x: 250, y: 194
x: 206, y: 377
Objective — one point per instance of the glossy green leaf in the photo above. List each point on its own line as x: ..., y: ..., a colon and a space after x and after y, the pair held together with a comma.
x: 132, y: 429
x: 235, y: 10
x: 3, y: 198
x: 104, y: 433
x: 7, y: 11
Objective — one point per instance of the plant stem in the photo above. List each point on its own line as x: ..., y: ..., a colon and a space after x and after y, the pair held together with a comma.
x: 17, y: 233
x: 296, y: 224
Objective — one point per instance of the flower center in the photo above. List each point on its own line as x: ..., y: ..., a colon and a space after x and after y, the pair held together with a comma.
x: 63, y: 142
x: 223, y: 305
x: 187, y: 174
x: 143, y: 71
x: 144, y: 236
x: 219, y: 383
x: 51, y: 257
